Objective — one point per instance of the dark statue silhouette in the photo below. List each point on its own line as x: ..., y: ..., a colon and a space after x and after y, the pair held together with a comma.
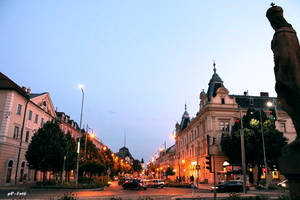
x: 285, y: 46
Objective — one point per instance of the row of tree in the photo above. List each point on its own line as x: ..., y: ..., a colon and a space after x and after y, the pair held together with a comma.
x: 50, y: 150
x: 273, y: 139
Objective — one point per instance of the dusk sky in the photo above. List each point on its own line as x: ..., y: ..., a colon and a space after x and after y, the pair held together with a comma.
x: 140, y: 61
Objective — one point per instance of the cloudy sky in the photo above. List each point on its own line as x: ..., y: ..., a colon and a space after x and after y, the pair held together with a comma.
x: 140, y: 61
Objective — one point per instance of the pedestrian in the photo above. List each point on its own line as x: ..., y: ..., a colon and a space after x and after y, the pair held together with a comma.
x: 192, y: 179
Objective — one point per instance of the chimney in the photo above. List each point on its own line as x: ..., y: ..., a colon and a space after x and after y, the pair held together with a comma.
x: 28, y: 91
x: 264, y: 94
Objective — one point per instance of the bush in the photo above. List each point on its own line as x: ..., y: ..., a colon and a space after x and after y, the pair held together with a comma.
x: 68, y: 196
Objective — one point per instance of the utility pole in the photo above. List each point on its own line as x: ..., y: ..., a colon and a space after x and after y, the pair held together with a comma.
x: 243, y: 152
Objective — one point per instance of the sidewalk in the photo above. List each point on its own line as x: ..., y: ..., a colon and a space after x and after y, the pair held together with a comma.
x: 270, y: 194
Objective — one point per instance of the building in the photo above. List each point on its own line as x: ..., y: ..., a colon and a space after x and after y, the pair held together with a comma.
x: 217, y: 113
x: 22, y: 113
x: 166, y: 158
x: 125, y: 154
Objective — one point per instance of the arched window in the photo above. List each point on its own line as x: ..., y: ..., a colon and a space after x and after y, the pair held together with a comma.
x: 9, y: 171
x: 22, y: 171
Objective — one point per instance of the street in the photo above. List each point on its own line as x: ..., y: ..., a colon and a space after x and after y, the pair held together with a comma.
x: 116, y: 191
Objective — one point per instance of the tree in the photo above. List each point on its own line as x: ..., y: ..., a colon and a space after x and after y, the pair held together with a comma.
x: 170, y: 171
x: 71, y: 155
x: 274, y: 142
x: 136, y: 166
x: 92, y: 167
x: 47, y: 149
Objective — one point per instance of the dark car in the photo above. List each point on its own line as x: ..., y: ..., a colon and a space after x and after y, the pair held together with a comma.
x: 123, y: 180
x: 134, y: 184
x: 230, y: 186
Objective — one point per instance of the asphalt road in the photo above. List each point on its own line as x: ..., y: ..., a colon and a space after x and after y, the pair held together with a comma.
x: 117, y: 192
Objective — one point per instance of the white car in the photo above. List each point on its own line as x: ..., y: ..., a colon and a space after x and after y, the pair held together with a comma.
x: 284, y: 184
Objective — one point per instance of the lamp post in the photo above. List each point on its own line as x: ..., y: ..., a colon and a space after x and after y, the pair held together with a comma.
x: 264, y: 150
x: 243, y: 152
x: 79, y: 136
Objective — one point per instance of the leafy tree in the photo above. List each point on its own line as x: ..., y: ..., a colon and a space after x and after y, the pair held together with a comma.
x: 47, y: 149
x: 71, y: 154
x: 274, y: 141
x: 92, y: 167
x: 136, y: 166
x: 170, y: 171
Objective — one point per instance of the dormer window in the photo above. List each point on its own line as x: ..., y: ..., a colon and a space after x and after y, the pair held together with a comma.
x: 223, y: 100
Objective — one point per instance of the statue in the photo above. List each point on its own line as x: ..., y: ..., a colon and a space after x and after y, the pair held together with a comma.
x: 285, y: 46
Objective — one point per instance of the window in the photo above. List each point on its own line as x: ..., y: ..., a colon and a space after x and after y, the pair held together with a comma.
x: 42, y: 121
x: 223, y: 101
x: 9, y: 171
x: 30, y: 115
x: 16, y: 132
x: 283, y: 128
x: 224, y: 126
x: 22, y: 171
x: 36, y: 118
x: 27, y: 136
x: 19, y: 109
x: 251, y: 101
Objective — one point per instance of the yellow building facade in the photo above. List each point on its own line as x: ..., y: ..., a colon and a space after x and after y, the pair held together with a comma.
x: 216, y: 116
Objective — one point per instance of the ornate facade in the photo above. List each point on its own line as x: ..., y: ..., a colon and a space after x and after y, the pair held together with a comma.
x: 217, y: 113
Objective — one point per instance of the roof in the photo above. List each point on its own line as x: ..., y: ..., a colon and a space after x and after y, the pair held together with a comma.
x: 33, y: 95
x: 124, y: 152
x: 214, y: 84
x: 185, y: 120
x: 8, y: 84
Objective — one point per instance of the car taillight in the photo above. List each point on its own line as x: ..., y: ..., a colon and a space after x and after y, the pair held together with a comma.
x: 126, y: 181
x: 140, y: 184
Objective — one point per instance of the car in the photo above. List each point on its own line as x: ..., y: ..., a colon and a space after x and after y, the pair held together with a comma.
x: 284, y: 184
x: 156, y: 183
x: 123, y: 180
x: 230, y: 186
x: 134, y: 184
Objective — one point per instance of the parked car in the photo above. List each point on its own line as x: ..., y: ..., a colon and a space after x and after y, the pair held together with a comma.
x: 123, y: 180
x: 134, y: 184
x: 284, y: 184
x: 156, y: 183
x: 230, y: 186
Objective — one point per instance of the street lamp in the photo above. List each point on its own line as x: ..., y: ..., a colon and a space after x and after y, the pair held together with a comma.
x: 269, y: 104
x: 243, y: 152
x: 78, y: 147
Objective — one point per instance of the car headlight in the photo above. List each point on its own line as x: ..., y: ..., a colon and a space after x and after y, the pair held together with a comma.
x: 283, y: 185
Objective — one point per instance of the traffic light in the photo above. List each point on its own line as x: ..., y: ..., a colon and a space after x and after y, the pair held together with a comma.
x: 208, y: 163
x: 237, y: 120
x: 273, y: 114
